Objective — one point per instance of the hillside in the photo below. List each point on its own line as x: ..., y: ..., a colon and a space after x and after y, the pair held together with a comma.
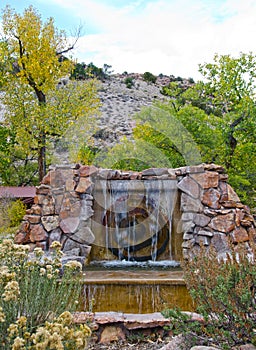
x: 120, y: 102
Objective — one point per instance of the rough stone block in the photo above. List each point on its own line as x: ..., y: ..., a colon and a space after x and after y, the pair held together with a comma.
x: 38, y: 233
x: 83, y: 185
x: 239, y: 235
x: 223, y: 223
x: 207, y: 180
x: 201, y: 220
x: 205, y: 233
x: 69, y: 225
x: 211, y: 198
x: 189, y: 204
x: 87, y: 170
x: 84, y: 235
x: 220, y: 242
x: 189, y: 186
x: 50, y: 222
x: 55, y: 235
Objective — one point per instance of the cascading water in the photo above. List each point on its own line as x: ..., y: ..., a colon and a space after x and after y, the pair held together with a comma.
x: 133, y: 218
x: 135, y: 246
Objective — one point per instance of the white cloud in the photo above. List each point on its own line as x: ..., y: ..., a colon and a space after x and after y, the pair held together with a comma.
x: 164, y: 36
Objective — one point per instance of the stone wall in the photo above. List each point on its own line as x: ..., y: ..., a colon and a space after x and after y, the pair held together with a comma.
x: 211, y: 212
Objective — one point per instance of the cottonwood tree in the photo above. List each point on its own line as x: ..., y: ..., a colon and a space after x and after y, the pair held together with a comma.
x: 218, y: 114
x: 32, y: 63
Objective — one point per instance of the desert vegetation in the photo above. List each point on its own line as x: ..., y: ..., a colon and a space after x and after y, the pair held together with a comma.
x: 224, y: 294
x: 37, y: 298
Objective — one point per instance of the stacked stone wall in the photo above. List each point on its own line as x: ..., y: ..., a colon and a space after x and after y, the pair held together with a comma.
x: 212, y: 213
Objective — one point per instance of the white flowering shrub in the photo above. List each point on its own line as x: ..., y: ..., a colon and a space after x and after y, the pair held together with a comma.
x: 36, y: 301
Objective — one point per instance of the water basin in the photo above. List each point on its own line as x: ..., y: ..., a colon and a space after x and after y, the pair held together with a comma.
x: 135, y: 289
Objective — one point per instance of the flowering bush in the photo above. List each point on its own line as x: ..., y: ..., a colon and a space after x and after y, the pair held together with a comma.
x: 36, y: 302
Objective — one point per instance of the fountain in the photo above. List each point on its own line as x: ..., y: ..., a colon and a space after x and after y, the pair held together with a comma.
x: 133, y: 219
x: 132, y: 229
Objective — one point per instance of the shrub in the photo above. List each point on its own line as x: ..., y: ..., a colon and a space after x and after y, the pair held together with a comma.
x: 35, y: 301
x: 16, y: 212
x: 11, y: 215
x: 149, y: 77
x: 224, y: 293
x: 129, y: 82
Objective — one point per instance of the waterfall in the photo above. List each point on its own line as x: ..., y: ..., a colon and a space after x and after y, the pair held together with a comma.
x: 133, y: 218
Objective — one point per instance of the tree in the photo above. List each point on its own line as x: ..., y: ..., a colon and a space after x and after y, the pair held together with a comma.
x: 232, y: 82
x: 212, y: 121
x: 220, y: 115
x: 38, y: 110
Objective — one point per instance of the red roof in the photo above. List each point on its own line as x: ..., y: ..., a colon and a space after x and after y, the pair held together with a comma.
x: 17, y: 192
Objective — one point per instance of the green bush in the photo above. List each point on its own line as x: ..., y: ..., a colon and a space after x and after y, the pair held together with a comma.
x: 36, y: 301
x: 11, y: 215
x: 224, y: 293
x: 149, y: 77
x: 16, y: 212
x: 129, y: 82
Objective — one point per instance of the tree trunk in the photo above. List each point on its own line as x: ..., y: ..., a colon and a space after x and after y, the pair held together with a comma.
x: 42, y: 157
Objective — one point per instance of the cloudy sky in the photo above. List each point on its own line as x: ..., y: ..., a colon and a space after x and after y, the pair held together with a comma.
x: 160, y: 36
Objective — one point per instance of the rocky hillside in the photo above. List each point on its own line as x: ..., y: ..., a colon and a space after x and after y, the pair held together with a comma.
x: 120, y: 102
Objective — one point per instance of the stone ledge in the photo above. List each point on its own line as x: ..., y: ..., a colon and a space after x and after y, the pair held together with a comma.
x: 129, y: 320
x: 113, y: 326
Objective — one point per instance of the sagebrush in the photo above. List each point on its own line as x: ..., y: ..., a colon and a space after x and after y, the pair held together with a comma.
x: 224, y: 293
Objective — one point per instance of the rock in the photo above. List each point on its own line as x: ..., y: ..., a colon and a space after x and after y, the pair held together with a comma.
x: 220, y: 242
x: 177, y: 343
x: 87, y: 170
x: 83, y: 185
x: 205, y: 233
x: 43, y: 190
x: 70, y: 185
x: 189, y: 186
x: 245, y: 347
x: 55, y: 235
x: 204, y: 240
x: 50, y: 222
x: 189, y: 204
x: 21, y: 238
x: 223, y: 223
x: 214, y: 167
x: 86, y: 210
x: 37, y: 233
x: 35, y: 210
x: 110, y: 334
x: 70, y: 208
x: 138, y: 321
x: 59, y: 176
x: 211, y: 198
x: 201, y: 220
x: 154, y: 172
x: 201, y: 347
x: 232, y: 196
x: 33, y: 219
x: 69, y: 225
x: 84, y: 235
x: 239, y: 235
x: 207, y: 180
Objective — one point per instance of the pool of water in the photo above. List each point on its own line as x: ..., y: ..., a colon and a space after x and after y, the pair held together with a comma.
x: 133, y: 265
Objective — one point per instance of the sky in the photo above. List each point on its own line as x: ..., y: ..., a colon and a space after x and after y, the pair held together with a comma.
x: 171, y: 37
